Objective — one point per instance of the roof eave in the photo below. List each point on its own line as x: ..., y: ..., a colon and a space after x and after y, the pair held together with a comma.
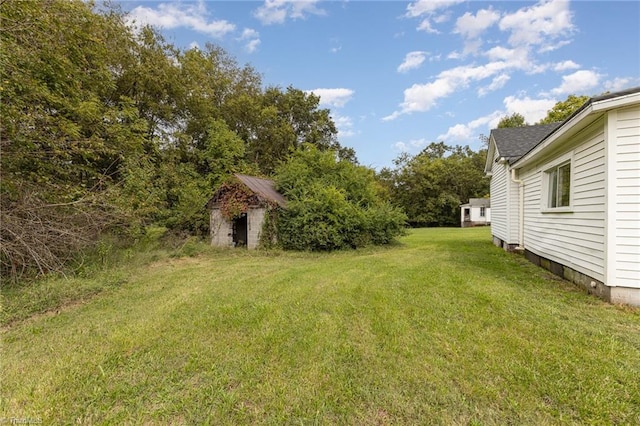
x: 591, y: 108
x: 488, y: 162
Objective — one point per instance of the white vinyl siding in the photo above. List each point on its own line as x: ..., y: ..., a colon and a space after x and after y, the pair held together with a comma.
x: 573, y: 238
x: 498, y: 191
x: 513, y: 210
x: 477, y: 216
x: 625, y: 200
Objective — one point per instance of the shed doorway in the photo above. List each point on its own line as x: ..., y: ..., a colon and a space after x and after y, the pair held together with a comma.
x: 240, y: 231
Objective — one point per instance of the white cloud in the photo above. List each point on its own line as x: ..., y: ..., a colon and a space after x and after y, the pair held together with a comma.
x: 518, y: 57
x: 429, y: 8
x: 551, y: 47
x: 412, y: 60
x: 565, y: 65
x: 533, y: 110
x: 457, y: 132
x: 180, y: 15
x: 620, y: 83
x: 419, y: 143
x: 425, y: 26
x: 541, y: 24
x: 344, y: 125
x: 442, y: 18
x: 252, y: 38
x: 392, y: 116
x: 248, y: 33
x: 471, y: 26
x: 465, y: 132
x: 423, y: 97
x: 333, y: 97
x: 252, y: 45
x: 497, y: 83
x: 277, y: 11
x: 401, y: 147
x: 414, y: 145
x: 577, y: 83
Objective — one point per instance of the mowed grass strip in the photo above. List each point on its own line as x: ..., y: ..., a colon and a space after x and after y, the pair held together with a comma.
x: 443, y: 328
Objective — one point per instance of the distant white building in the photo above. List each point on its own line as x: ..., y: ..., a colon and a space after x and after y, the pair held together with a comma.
x: 477, y: 212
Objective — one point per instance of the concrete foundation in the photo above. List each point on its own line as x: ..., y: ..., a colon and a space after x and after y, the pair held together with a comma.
x: 590, y: 284
x: 624, y: 295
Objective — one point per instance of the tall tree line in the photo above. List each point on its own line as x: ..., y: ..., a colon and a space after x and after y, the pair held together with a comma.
x: 107, y: 128
x: 431, y: 185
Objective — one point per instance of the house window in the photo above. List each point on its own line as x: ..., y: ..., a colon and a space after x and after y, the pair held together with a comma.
x: 482, y: 211
x: 559, y: 185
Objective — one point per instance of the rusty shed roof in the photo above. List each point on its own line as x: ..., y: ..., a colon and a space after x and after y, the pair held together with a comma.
x: 264, y: 188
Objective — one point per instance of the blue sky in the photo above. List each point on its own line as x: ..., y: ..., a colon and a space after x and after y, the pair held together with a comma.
x: 399, y: 75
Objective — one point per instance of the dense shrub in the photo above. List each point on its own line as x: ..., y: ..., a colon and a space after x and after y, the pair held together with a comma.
x: 332, y: 204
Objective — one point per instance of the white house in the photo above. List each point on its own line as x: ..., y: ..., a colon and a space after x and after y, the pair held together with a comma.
x: 477, y: 212
x: 568, y: 195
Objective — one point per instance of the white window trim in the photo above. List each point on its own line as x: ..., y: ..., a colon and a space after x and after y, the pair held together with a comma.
x: 544, y: 193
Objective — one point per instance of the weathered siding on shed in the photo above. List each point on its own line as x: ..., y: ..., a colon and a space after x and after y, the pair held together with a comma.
x: 625, y: 197
x: 255, y: 219
x: 498, y: 191
x: 576, y: 238
x: 220, y: 229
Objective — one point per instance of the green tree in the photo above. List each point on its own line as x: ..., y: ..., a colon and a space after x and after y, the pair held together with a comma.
x: 513, y: 120
x: 105, y: 128
x: 65, y: 131
x: 563, y: 109
x: 431, y: 185
x: 332, y: 204
x: 287, y: 120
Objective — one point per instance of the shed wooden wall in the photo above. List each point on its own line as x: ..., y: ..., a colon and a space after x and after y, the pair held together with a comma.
x: 255, y: 220
x: 221, y: 229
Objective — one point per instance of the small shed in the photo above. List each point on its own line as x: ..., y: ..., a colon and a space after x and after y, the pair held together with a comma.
x: 245, y: 229
x: 477, y: 212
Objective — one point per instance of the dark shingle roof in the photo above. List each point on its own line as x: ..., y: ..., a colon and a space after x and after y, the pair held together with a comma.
x: 264, y: 188
x: 514, y: 142
x: 478, y: 202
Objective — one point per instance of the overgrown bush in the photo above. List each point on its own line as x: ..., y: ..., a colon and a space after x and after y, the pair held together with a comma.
x: 332, y: 204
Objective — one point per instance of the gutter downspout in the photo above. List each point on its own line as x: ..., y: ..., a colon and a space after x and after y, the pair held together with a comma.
x: 520, y: 210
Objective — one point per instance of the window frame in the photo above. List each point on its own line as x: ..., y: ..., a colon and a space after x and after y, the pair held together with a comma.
x: 483, y: 211
x: 552, y: 174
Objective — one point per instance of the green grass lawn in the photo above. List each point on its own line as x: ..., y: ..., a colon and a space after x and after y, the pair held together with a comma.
x: 443, y: 328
